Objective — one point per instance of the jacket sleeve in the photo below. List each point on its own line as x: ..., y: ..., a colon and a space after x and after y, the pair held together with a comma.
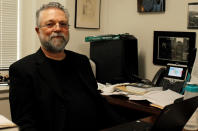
x: 21, y: 98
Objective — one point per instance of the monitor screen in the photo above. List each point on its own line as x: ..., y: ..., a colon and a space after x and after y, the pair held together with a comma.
x: 176, y: 71
x: 173, y: 47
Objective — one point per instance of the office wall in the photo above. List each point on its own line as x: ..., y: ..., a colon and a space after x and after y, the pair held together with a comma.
x: 117, y: 16
x: 123, y: 17
x: 29, y: 40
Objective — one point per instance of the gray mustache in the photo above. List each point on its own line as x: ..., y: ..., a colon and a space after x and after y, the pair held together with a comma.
x: 57, y: 34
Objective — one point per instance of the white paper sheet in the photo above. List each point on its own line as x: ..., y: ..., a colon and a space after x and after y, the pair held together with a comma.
x: 162, y: 98
x: 4, y: 122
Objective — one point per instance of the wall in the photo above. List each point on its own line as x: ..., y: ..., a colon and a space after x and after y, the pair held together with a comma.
x: 117, y: 16
x: 123, y: 17
x: 4, y: 104
x: 29, y: 40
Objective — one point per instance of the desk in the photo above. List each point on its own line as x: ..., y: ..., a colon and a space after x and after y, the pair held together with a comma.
x: 133, y: 105
x: 10, y: 129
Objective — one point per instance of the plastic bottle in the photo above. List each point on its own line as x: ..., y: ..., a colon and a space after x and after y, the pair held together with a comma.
x: 191, y: 91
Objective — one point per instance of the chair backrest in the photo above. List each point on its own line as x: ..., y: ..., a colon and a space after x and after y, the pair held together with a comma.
x: 174, y: 117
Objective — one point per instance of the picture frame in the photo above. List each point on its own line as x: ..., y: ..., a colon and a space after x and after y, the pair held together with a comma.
x: 144, y: 6
x: 192, y: 15
x: 87, y: 14
x: 173, y: 47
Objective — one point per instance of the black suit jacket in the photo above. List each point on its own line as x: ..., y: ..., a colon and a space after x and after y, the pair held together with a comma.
x: 37, y: 105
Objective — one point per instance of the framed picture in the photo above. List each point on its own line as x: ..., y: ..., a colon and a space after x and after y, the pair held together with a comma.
x: 151, y: 5
x: 192, y: 15
x: 173, y: 47
x: 87, y: 14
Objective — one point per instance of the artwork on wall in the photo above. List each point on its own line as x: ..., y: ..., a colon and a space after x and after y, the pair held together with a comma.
x: 193, y: 15
x: 87, y: 14
x: 173, y: 47
x: 151, y: 5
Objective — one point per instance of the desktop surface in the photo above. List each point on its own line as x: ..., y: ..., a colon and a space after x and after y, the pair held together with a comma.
x: 139, y: 105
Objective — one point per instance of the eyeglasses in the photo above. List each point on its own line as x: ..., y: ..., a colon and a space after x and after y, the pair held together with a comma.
x: 53, y: 25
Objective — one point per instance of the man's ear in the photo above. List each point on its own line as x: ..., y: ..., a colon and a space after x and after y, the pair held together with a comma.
x: 37, y: 30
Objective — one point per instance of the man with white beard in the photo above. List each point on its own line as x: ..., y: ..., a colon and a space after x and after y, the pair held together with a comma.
x: 55, y: 89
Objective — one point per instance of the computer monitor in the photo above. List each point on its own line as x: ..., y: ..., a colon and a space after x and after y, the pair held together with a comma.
x: 173, y: 47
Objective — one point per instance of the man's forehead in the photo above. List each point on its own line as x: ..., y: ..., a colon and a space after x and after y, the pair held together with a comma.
x: 50, y: 11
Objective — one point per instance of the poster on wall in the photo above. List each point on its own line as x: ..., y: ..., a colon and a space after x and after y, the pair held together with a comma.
x: 87, y: 14
x: 193, y: 15
x: 151, y: 5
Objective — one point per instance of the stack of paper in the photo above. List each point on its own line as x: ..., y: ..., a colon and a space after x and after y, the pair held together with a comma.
x: 110, y: 89
x: 162, y: 98
x: 5, y: 123
x: 155, y: 95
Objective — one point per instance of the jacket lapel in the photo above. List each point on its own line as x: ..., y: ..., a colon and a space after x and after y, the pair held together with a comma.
x: 46, y: 74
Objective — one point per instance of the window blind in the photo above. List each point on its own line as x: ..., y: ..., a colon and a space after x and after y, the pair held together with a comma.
x: 8, y: 32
